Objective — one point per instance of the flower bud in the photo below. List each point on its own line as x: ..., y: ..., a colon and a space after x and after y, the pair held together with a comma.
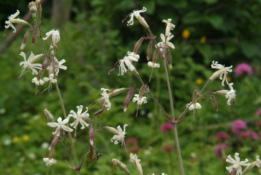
x: 91, y: 133
x: 155, y: 55
x: 111, y: 130
x: 149, y: 50
x: 45, y: 62
x: 169, y: 59
x: 26, y: 35
x: 48, y: 115
x: 138, y: 44
x: 214, y: 102
x: 121, y: 165
x: 128, y: 98
x: 32, y: 8
x: 115, y: 92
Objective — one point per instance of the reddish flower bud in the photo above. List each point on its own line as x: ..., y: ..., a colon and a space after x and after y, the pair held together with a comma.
x: 138, y: 44
x: 128, y: 98
x: 149, y: 50
x: 26, y: 35
x: 169, y: 59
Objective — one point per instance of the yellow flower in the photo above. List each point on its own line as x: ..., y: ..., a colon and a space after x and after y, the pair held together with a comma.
x: 228, y: 79
x: 199, y: 81
x: 16, y: 139
x: 185, y: 33
x: 25, y: 138
x: 203, y: 39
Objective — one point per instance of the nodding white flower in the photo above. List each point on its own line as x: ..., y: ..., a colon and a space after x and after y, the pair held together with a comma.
x: 11, y: 20
x: 55, y: 34
x: 105, y: 98
x: 134, y: 159
x: 51, y: 79
x: 58, y: 65
x: 257, y: 163
x: 229, y: 94
x: 194, y: 106
x: 131, y: 56
x: 136, y: 13
x: 139, y: 99
x: 163, y: 43
x: 120, y: 136
x: 37, y: 82
x: 61, y: 124
x: 222, y: 72
x: 236, y: 167
x: 153, y: 65
x: 49, y: 161
x: 79, y: 117
x: 169, y: 26
x: 28, y: 64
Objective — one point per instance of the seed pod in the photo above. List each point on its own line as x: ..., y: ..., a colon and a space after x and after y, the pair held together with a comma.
x: 138, y: 44
x: 169, y: 59
x: 155, y: 55
x: 214, y: 102
x: 149, y: 50
x: 121, y: 165
x: 128, y: 99
x: 26, y: 35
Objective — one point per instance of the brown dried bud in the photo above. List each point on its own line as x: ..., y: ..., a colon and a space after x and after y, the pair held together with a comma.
x: 26, y: 35
x: 214, y: 102
x: 128, y: 98
x: 138, y: 44
x: 155, y: 55
x: 169, y: 59
x: 149, y: 50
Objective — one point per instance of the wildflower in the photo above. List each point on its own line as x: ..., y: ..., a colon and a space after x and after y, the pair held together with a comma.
x: 127, y: 60
x: 203, y: 40
x: 245, y: 134
x: 55, y: 34
x: 166, y: 127
x: 139, y: 99
x: 222, y: 72
x: 58, y: 65
x: 7, y: 141
x: 243, y: 68
x: 169, y: 26
x: 51, y: 79
x: 37, y: 82
x: 79, y: 117
x: 229, y: 94
x: 61, y: 124
x: 258, y: 112
x: 168, y: 148
x: 254, y: 135
x: 134, y: 160
x: 121, y: 165
x: 236, y: 167
x: 257, y: 163
x: 119, y: 137
x: 29, y: 64
x: 222, y: 136
x: 26, y: 138
x: 153, y: 65
x: 162, y: 45
x: 134, y: 149
x: 185, y: 33
x: 105, y: 98
x: 136, y: 14
x: 238, y: 126
x: 11, y: 20
x: 219, y: 149
x: 132, y: 140
x: 194, y: 106
x: 199, y: 81
x: 49, y: 161
x: 16, y: 139
x: 45, y: 145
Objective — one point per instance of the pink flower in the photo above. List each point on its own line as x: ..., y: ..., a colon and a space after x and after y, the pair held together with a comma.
x: 222, y: 136
x: 134, y: 149
x: 258, y: 123
x: 168, y: 148
x: 258, y: 112
x: 238, y: 126
x: 166, y: 127
x: 131, y: 140
x: 245, y: 134
x: 254, y: 135
x: 219, y: 149
x: 243, y: 68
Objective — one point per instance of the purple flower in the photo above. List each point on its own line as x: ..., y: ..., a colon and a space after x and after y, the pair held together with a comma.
x: 243, y: 68
x: 219, y: 149
x: 166, y: 127
x: 222, y: 136
x: 258, y: 112
x: 238, y: 126
x: 254, y: 135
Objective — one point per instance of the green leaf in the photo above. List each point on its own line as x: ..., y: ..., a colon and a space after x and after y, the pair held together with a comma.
x: 216, y: 21
x: 250, y: 49
x: 192, y: 18
x: 205, y: 50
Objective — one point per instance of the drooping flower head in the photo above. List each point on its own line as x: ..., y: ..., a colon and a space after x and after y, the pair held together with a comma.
x: 229, y: 94
x: 105, y: 98
x: 79, y: 117
x: 136, y: 14
x: 243, y: 68
x: 222, y: 72
x: 238, y: 126
x: 139, y: 99
x: 119, y: 137
x: 236, y: 164
x: 11, y: 20
x: 29, y: 63
x: 60, y: 125
x: 165, y: 43
x: 153, y: 65
x: 49, y: 161
x: 55, y: 35
x: 127, y: 60
x: 136, y: 162
x: 169, y: 26
x: 194, y: 106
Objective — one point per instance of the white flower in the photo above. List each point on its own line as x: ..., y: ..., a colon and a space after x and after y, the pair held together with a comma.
x: 194, y: 106
x: 236, y: 164
x: 55, y: 34
x: 37, y: 82
x: 120, y: 136
x: 161, y: 44
x: 153, y: 65
x: 105, y: 98
x: 61, y: 124
x: 136, y: 13
x: 140, y: 100
x: 169, y: 26
x: 134, y: 159
x: 229, y: 94
x: 49, y: 161
x: 222, y: 72
x: 127, y: 61
x: 11, y: 20
x: 257, y: 163
x: 79, y: 117
x: 51, y: 79
x: 28, y: 64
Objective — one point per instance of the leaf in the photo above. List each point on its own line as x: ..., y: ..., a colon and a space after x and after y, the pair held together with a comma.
x: 205, y: 50
x: 192, y: 18
x: 216, y: 21
x: 250, y: 49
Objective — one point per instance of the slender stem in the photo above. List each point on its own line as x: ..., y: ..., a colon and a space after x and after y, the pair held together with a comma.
x: 67, y: 152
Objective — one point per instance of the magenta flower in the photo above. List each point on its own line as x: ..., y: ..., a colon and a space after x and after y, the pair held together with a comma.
x: 245, y: 134
x: 166, y: 127
x: 243, y: 68
x: 168, y: 148
x: 219, y: 149
x: 238, y: 126
x: 222, y: 136
x: 131, y: 140
x: 254, y: 135
x: 258, y: 123
x: 134, y: 149
x: 258, y: 112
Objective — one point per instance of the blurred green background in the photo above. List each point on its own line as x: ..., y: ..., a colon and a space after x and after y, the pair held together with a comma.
x: 93, y: 38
